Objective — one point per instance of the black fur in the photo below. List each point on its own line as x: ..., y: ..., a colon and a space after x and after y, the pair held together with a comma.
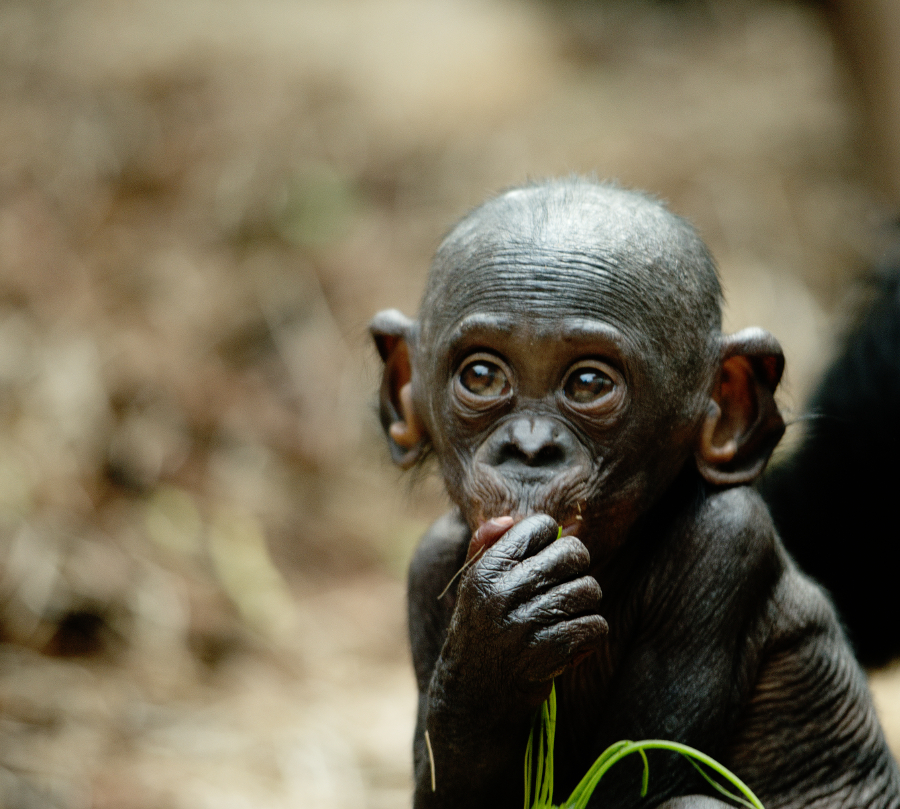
x: 835, y: 499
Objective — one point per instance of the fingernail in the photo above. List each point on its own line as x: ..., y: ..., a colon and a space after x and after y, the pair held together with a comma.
x: 501, y: 522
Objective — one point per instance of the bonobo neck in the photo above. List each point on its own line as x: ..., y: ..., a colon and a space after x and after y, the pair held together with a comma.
x: 680, y: 500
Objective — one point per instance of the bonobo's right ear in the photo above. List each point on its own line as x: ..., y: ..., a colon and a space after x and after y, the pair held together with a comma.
x: 404, y: 429
x: 743, y: 424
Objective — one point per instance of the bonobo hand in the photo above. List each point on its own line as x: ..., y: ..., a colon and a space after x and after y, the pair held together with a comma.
x: 525, y: 611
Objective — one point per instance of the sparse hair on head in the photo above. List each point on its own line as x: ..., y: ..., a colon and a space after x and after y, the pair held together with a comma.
x: 622, y: 231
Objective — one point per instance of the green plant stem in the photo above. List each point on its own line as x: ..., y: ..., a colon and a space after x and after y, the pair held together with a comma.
x: 545, y: 726
x: 582, y: 793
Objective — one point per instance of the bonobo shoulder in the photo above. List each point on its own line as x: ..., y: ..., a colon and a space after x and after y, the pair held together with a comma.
x: 739, y: 509
x: 439, y: 555
x: 798, y: 607
x: 732, y: 532
x: 722, y: 558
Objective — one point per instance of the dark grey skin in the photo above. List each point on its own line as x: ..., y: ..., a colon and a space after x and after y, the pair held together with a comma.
x: 568, y: 371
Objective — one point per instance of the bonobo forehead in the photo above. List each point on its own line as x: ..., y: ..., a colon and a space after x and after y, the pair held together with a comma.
x: 575, y: 248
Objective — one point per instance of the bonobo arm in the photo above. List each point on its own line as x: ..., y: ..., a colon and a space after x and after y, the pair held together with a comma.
x: 439, y: 556
x: 485, y: 657
x: 762, y: 679
x: 680, y: 658
x: 809, y: 736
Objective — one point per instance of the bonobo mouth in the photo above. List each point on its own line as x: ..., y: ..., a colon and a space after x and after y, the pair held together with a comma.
x: 570, y: 525
x: 488, y: 531
x: 564, y: 497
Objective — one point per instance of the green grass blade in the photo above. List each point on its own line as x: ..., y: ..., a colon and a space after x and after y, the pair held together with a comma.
x: 645, y: 778
x: 586, y: 786
x: 539, y: 776
x: 545, y: 726
x: 582, y: 793
x: 696, y: 756
x: 717, y: 786
x: 528, y: 753
x: 549, y: 728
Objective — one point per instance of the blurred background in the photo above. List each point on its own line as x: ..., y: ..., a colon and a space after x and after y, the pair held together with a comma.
x: 202, y: 203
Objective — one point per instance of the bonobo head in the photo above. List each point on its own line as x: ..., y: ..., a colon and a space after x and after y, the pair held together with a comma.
x: 569, y: 360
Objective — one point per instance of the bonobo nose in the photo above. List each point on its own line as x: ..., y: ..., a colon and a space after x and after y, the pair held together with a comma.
x: 530, y: 442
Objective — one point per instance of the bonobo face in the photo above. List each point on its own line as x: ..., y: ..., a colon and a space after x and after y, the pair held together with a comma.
x: 569, y: 360
x: 565, y: 353
x: 549, y: 394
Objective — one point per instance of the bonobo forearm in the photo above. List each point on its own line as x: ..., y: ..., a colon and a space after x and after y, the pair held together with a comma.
x: 523, y: 612
x: 477, y: 743
x: 470, y: 768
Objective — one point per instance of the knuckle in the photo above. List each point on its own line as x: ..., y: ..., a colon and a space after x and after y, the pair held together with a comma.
x: 595, y: 625
x: 574, y: 551
x: 590, y: 588
x: 544, y: 522
x: 480, y: 589
x: 540, y: 526
x: 581, y: 593
x: 583, y: 631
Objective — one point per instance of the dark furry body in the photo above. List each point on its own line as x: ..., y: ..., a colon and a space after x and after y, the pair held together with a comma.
x: 718, y: 642
x: 568, y: 371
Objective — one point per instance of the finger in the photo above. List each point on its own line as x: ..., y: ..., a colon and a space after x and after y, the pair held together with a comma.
x: 563, y: 560
x: 568, y: 642
x: 524, y: 539
x: 487, y: 534
x: 569, y: 600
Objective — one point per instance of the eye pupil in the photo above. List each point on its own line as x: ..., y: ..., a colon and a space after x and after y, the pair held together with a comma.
x: 587, y: 384
x: 484, y: 378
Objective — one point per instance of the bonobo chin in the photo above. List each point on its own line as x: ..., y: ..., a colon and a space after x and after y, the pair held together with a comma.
x: 597, y: 434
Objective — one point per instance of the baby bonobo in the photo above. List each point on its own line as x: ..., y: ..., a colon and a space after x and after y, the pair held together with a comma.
x: 568, y: 371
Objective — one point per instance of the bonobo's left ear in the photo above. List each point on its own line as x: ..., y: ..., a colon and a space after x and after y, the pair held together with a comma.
x: 404, y: 429
x: 743, y: 425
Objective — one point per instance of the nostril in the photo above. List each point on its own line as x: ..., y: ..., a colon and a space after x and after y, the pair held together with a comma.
x: 509, y: 454
x: 544, y: 455
x: 549, y: 455
x: 530, y: 443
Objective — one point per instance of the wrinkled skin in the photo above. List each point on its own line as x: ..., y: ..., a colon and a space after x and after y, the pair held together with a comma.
x: 568, y: 372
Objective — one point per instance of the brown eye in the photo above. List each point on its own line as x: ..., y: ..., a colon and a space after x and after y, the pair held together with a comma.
x: 484, y: 378
x: 587, y: 384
